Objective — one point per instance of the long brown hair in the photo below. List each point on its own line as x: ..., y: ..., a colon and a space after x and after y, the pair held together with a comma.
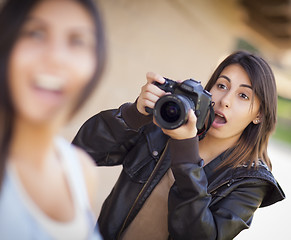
x: 12, y: 16
x: 253, y: 142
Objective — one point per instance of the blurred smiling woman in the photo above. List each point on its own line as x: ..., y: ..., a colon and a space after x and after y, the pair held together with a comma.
x: 52, y: 55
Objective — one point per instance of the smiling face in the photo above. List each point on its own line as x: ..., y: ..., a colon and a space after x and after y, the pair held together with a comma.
x: 52, y: 60
x: 236, y: 106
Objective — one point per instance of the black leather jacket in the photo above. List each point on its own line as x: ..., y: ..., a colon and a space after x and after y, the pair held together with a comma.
x: 203, y: 203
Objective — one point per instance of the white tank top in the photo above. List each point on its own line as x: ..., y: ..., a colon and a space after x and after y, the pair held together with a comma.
x: 81, y: 227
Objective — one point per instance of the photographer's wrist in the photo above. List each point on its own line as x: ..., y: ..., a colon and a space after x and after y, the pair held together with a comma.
x: 140, y: 108
x: 184, y: 151
x: 133, y: 118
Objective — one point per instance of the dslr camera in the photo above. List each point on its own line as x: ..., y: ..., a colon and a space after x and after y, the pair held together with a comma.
x: 171, y: 111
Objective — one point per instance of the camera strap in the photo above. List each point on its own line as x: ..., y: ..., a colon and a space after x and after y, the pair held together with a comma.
x: 211, y: 118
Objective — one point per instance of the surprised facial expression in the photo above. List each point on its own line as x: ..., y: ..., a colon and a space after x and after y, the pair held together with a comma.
x: 236, y: 105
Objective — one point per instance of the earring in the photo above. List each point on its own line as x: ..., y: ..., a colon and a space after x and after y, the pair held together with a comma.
x: 257, y: 121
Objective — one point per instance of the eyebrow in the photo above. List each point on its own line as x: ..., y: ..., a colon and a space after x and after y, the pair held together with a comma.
x: 36, y: 20
x: 229, y: 80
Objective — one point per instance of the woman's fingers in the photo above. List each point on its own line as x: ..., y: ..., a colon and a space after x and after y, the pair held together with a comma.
x: 186, y: 131
x: 150, y: 93
x: 154, y: 77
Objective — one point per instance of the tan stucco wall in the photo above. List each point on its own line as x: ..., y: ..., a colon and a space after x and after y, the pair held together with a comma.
x: 177, y: 38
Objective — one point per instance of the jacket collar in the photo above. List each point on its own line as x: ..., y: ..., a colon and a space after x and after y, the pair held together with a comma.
x: 227, y: 175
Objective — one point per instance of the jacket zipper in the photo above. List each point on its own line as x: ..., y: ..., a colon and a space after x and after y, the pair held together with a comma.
x: 143, y: 189
x: 228, y: 183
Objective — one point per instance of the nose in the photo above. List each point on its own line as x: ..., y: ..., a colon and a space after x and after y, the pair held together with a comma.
x: 226, y: 100
x: 56, y: 53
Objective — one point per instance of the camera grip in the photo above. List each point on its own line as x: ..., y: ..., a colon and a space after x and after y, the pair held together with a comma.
x: 167, y: 86
x: 149, y: 110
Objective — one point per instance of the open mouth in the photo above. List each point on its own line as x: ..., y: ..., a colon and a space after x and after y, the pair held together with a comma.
x: 220, y: 118
x: 49, y: 82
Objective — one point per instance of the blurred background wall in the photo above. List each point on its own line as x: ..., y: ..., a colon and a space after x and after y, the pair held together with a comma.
x: 180, y: 39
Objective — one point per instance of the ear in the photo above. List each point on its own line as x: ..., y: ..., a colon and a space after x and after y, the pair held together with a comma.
x: 258, y: 119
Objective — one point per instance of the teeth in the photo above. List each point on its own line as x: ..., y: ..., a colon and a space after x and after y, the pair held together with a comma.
x: 49, y: 82
x: 220, y: 115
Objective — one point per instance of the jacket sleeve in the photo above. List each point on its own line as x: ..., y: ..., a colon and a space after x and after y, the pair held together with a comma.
x: 109, y: 135
x: 191, y: 215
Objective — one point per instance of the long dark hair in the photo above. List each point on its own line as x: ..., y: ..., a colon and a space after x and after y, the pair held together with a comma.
x: 12, y: 16
x: 253, y: 142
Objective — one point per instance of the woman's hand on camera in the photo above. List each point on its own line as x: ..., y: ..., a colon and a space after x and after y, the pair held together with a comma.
x: 186, y: 131
x: 150, y: 93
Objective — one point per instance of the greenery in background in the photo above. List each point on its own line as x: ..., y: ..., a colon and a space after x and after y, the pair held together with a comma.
x: 283, y: 129
x: 242, y: 44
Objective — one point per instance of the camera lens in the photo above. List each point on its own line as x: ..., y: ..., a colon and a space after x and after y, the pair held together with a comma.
x: 170, y: 111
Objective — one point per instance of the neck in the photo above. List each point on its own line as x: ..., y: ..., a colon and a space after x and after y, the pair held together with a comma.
x: 31, y: 143
x: 211, y: 147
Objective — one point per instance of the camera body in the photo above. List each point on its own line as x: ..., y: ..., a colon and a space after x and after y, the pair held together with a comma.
x: 171, y: 111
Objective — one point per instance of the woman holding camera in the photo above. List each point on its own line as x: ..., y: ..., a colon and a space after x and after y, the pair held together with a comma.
x: 174, y: 186
x: 52, y: 55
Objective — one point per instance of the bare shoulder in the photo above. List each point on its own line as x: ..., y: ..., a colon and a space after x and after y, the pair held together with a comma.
x: 90, y: 174
x: 88, y: 166
x: 84, y: 158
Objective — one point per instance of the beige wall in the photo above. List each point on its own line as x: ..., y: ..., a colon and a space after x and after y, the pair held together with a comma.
x: 177, y: 38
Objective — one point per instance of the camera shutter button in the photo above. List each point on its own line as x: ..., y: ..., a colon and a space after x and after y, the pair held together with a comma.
x: 197, y: 113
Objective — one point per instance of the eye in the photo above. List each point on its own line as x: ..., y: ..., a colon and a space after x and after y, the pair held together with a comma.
x: 244, y: 96
x: 221, y: 86
x: 80, y: 41
x: 36, y: 34
x: 77, y: 41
